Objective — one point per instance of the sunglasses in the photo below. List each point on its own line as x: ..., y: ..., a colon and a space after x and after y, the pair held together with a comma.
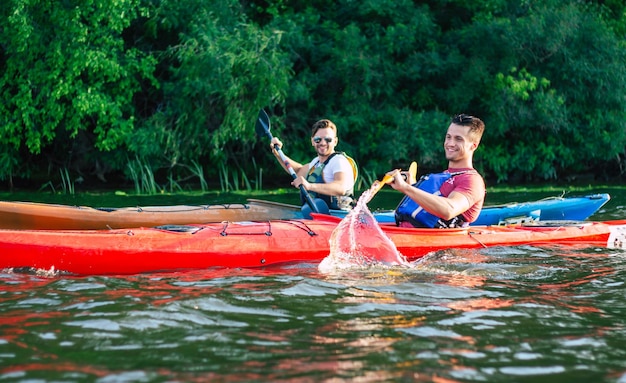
x: 317, y: 140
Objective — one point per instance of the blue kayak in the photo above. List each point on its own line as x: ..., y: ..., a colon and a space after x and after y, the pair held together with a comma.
x: 548, y: 209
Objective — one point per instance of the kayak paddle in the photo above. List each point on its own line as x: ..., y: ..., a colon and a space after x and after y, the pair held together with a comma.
x: 377, y: 185
x: 263, y: 129
x: 388, y: 177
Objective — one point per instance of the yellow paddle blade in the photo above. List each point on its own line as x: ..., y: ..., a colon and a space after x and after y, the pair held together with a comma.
x: 412, y: 173
x: 377, y: 185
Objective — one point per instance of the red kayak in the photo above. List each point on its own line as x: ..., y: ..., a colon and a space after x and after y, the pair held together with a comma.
x: 257, y: 244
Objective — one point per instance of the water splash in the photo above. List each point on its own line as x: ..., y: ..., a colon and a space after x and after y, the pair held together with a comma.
x: 358, y: 240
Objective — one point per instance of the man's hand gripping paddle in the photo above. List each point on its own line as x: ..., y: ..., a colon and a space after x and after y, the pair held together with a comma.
x: 317, y: 205
x: 412, y: 178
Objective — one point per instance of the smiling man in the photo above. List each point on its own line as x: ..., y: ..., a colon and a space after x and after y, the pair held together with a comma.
x: 329, y: 176
x: 453, y: 198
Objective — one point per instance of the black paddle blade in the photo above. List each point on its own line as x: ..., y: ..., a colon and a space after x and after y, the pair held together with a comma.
x: 262, y: 126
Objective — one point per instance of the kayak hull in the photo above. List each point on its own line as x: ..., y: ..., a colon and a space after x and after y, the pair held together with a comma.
x: 39, y: 216
x: 258, y: 244
x: 548, y: 209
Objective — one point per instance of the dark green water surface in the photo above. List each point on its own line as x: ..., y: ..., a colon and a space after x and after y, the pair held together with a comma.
x: 508, y: 314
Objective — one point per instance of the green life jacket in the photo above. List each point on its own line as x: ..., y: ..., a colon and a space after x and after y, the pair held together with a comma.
x: 344, y: 202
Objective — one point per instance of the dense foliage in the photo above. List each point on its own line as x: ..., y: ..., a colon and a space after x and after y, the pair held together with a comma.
x: 101, y: 88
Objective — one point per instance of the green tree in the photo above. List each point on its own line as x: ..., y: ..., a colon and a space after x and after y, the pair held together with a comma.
x: 220, y: 71
x: 558, y: 107
x: 66, y: 72
x: 179, y: 83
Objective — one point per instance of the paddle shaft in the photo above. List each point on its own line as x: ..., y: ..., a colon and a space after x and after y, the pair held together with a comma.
x: 303, y: 191
x: 283, y: 158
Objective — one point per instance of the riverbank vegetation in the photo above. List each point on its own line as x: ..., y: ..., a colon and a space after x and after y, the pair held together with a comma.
x: 163, y: 95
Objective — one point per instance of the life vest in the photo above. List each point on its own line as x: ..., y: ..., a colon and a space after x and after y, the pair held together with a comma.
x: 409, y: 210
x: 334, y: 202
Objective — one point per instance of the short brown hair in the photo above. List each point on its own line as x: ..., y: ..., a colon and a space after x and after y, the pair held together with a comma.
x: 323, y: 124
x: 477, y: 126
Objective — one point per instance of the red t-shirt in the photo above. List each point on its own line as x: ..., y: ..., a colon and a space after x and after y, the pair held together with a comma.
x: 471, y: 185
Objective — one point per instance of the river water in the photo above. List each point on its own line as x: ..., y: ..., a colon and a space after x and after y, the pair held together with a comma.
x: 508, y: 314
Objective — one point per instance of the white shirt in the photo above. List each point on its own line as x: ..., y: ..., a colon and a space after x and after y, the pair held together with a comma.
x: 336, y: 164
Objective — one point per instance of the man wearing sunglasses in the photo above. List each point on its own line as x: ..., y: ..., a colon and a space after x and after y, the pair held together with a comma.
x: 330, y: 176
x: 453, y: 198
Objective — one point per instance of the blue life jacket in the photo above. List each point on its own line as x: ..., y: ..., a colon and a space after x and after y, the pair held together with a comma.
x: 409, y: 211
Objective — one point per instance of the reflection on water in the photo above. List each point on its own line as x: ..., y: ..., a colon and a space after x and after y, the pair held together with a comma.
x: 490, y: 314
x: 503, y: 314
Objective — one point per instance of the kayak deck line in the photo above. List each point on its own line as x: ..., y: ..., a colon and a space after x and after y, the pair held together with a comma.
x: 179, y: 228
x: 268, y: 232
x: 170, y: 209
x: 193, y: 229
x: 471, y: 235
